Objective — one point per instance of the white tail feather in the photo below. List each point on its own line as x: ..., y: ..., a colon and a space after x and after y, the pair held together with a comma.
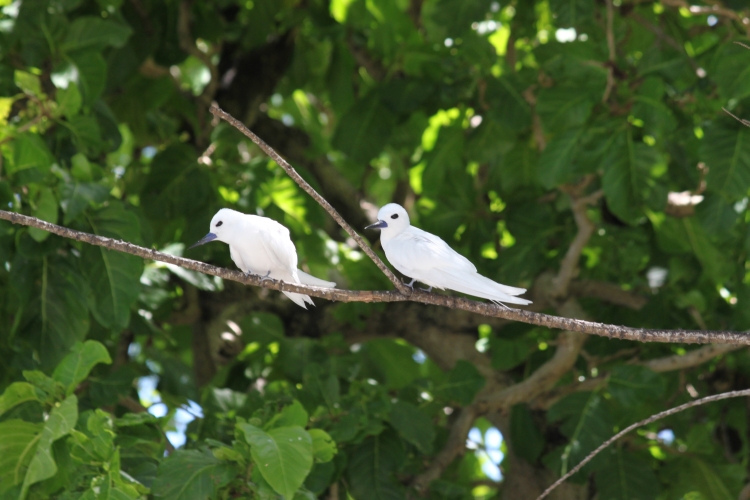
x: 308, y: 279
x: 480, y: 286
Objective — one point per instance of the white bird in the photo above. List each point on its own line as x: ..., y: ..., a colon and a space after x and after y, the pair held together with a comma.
x: 428, y: 259
x: 259, y: 245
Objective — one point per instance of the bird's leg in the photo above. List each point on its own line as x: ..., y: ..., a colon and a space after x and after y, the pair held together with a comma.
x: 410, y: 284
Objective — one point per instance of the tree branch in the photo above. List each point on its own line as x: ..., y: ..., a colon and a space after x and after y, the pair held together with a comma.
x: 543, y: 379
x: 652, y: 418
x: 689, y: 359
x: 372, y: 296
x: 569, y: 264
x: 608, y: 292
x: 219, y: 113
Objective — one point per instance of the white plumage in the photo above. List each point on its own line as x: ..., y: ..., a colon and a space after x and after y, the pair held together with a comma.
x: 428, y: 259
x: 259, y: 245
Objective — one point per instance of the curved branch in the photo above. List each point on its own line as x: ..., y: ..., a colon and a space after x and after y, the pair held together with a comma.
x: 220, y: 113
x: 569, y: 264
x: 607, y: 292
x: 689, y: 359
x: 335, y: 294
x: 652, y: 418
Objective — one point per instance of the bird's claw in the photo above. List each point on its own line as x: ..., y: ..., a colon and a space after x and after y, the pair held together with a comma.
x: 409, y: 284
x: 427, y: 290
x: 266, y: 277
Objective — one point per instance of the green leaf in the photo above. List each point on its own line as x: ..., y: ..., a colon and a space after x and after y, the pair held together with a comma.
x: 364, y: 129
x: 45, y: 209
x: 626, y: 167
x: 372, y: 466
x: 631, y: 385
x: 17, y: 442
x: 76, y: 366
x: 47, y: 384
x: 69, y: 100
x: 463, y: 383
x: 27, y: 82
x: 92, y: 32
x: 526, y: 439
x: 283, y: 455
x: 705, y: 479
x: 192, y: 475
x: 556, y: 164
x: 563, y: 107
x: 507, y: 354
x: 30, y: 151
x: 731, y: 71
x: 445, y: 165
x: 17, y: 393
x: 86, y: 133
x: 60, y: 422
x: 585, y: 421
x: 324, y: 447
x: 626, y: 476
x: 292, y: 415
x: 176, y: 187
x: 413, y: 425
x: 726, y: 151
x: 571, y: 12
x: 394, y: 361
x: 92, y: 74
x: 114, y: 277
x: 685, y: 235
x: 76, y: 196
x: 58, y: 311
x: 452, y: 18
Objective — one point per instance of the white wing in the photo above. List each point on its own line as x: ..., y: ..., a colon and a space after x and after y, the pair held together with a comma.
x: 278, y: 245
x: 420, y: 251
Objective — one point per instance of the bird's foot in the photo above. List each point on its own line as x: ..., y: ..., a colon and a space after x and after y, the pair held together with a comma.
x: 428, y: 290
x: 409, y: 284
x: 266, y: 277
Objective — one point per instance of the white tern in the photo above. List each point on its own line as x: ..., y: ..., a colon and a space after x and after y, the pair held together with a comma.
x: 426, y: 258
x: 259, y: 245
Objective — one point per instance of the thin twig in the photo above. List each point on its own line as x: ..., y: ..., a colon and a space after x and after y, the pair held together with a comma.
x: 741, y: 120
x: 372, y: 296
x: 652, y: 418
x: 220, y: 113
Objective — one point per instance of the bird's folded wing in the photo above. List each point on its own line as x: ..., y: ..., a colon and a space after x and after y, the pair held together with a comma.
x: 280, y: 249
x: 421, y: 251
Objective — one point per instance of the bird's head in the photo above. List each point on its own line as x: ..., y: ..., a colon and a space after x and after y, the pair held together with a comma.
x: 392, y: 219
x: 221, y: 226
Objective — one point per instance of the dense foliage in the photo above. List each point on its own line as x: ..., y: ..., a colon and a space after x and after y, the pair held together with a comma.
x: 519, y: 131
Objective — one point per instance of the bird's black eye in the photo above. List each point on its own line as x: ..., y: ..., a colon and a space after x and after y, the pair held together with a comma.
x: 394, y: 216
x: 219, y: 223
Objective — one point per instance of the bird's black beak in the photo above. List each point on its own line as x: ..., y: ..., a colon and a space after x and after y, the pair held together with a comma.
x: 204, y: 240
x: 378, y: 225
